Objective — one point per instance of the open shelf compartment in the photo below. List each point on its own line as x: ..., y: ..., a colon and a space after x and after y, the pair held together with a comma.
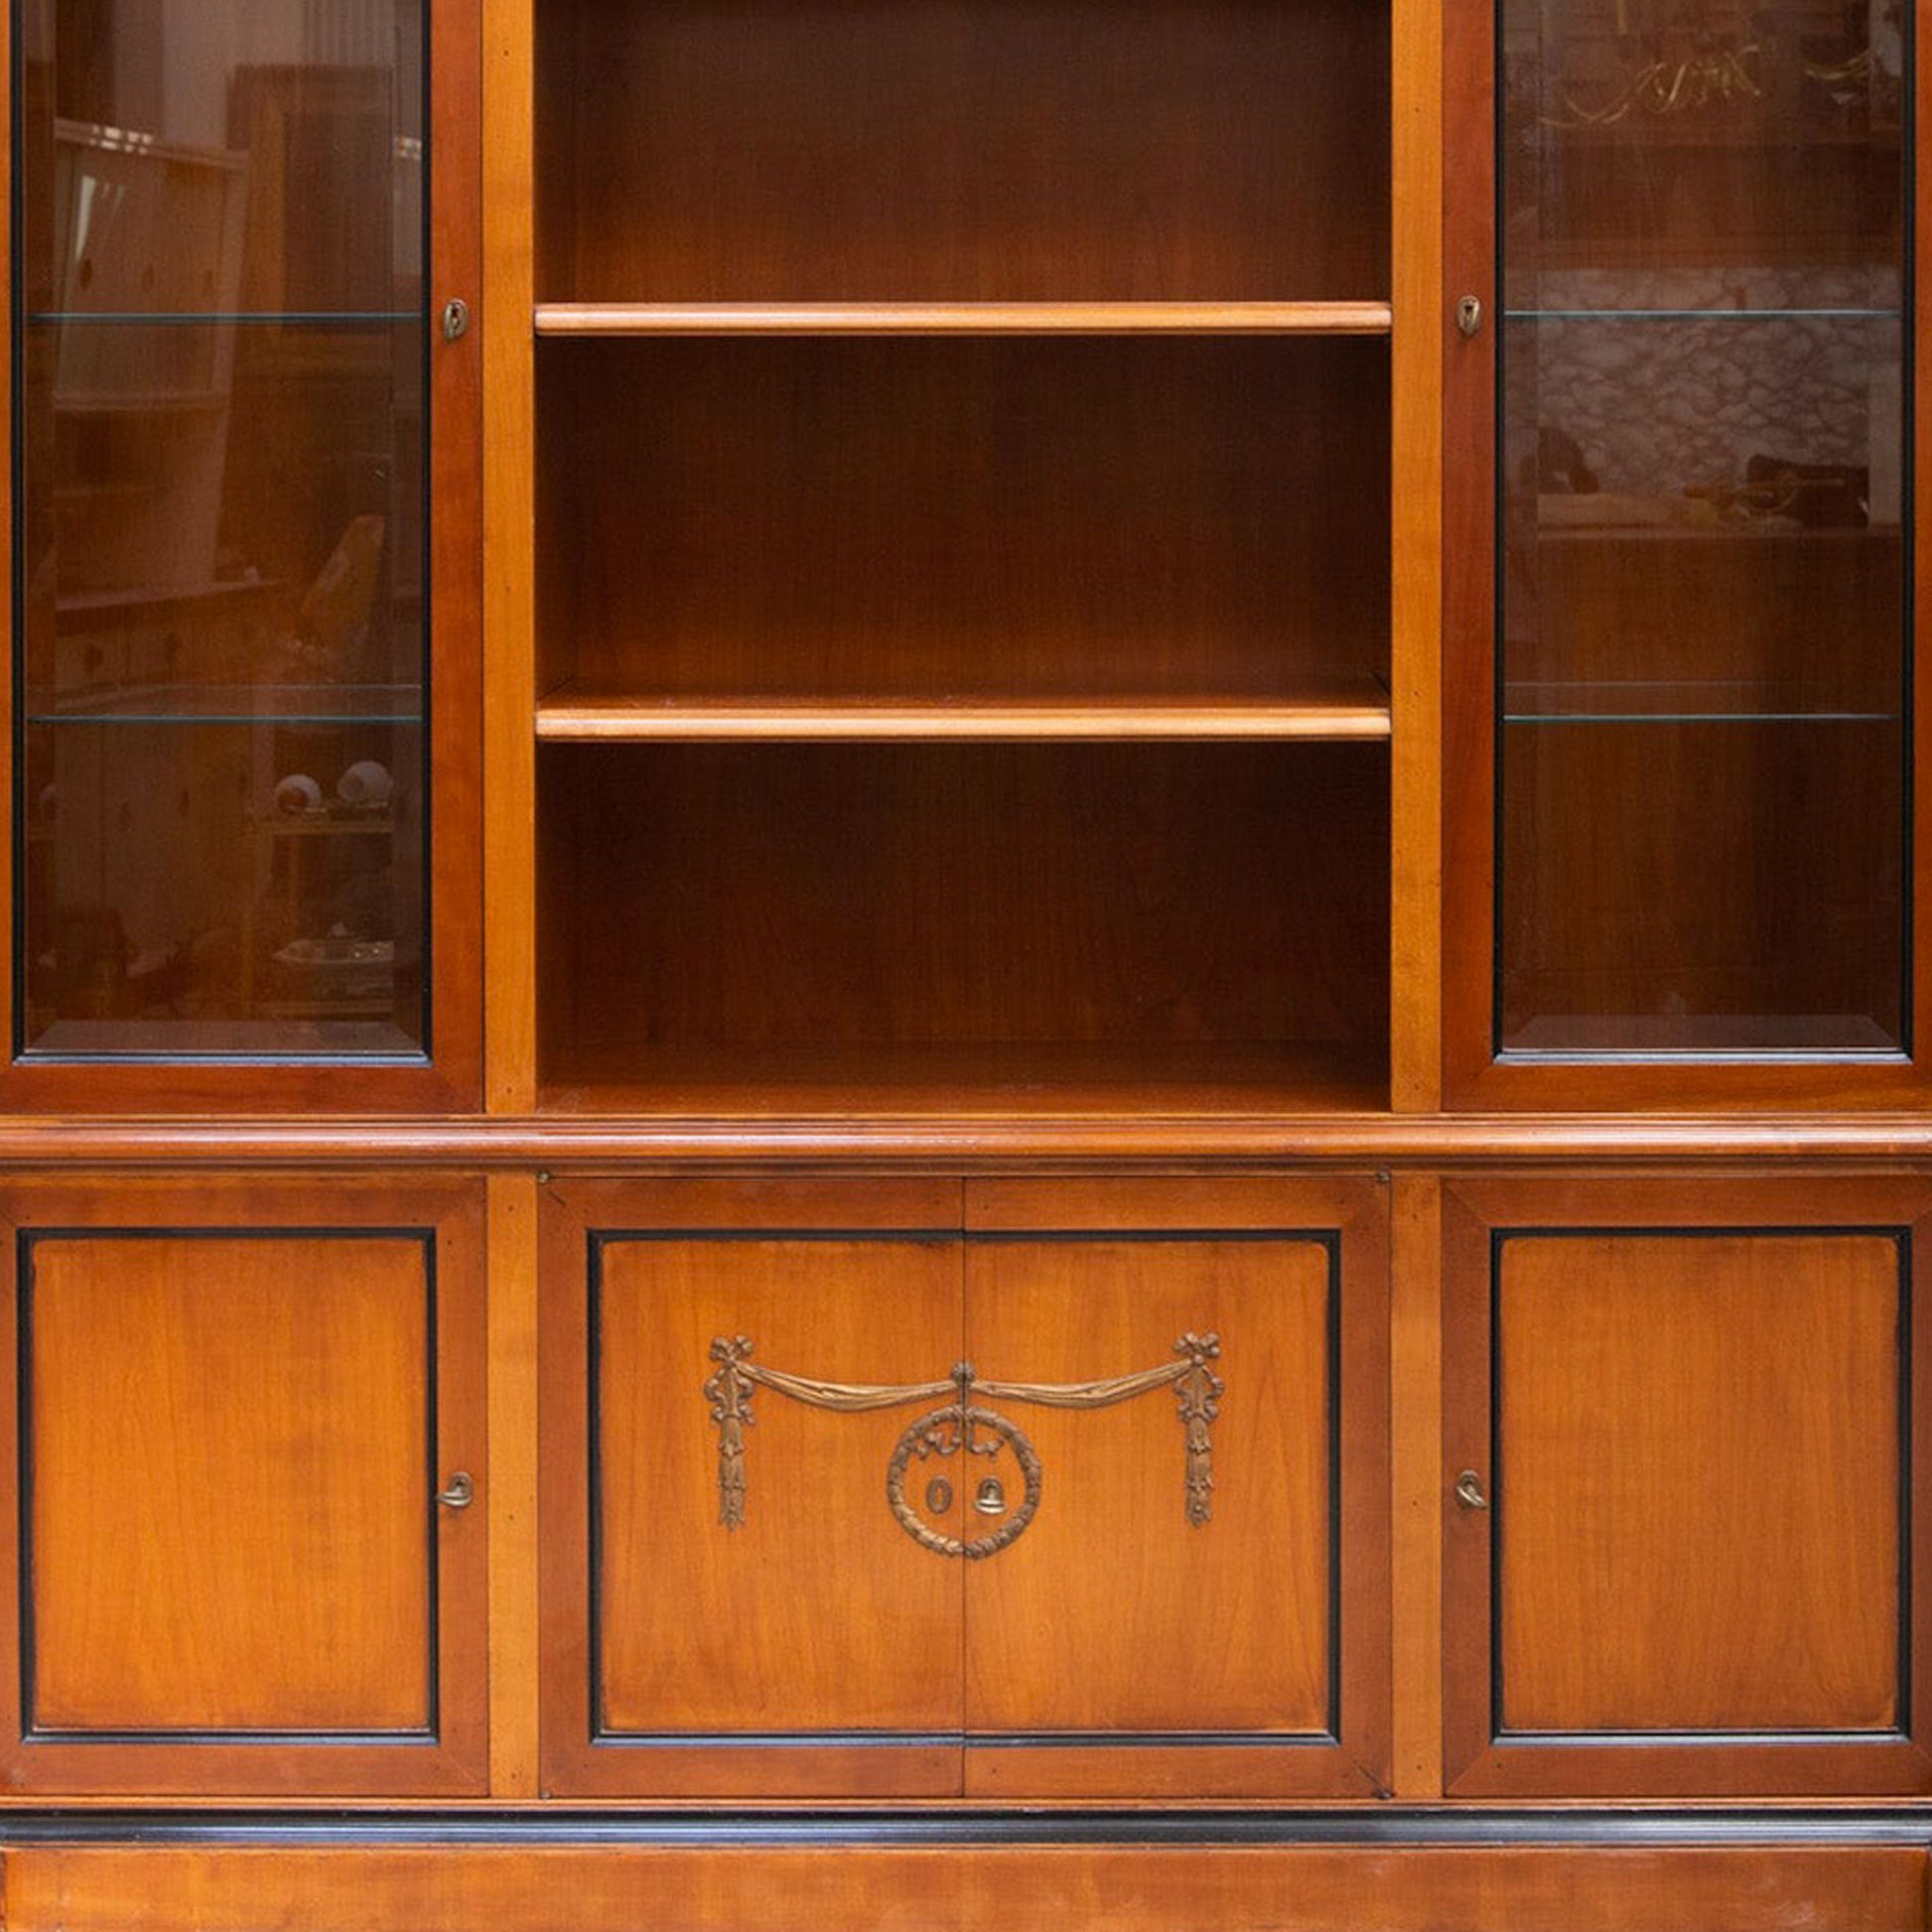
x: 908, y: 928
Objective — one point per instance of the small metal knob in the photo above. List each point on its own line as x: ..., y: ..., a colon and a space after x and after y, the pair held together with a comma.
x: 1468, y: 313
x: 460, y: 1494
x: 1469, y: 1491
x: 456, y: 318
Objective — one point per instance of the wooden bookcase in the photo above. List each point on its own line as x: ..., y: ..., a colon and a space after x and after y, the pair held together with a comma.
x: 994, y: 987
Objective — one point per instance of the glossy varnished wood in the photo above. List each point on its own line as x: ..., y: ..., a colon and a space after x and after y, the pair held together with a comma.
x: 230, y: 1392
x: 1416, y: 559
x: 938, y: 153
x: 1701, y: 1569
x: 1415, y: 1484
x: 1335, y: 710
x: 928, y: 521
x: 509, y: 556
x: 1754, y: 1384
x: 515, y: 1433
x: 303, y: 1364
x: 1074, y: 1282
x: 964, y: 319
x: 817, y: 1618
x: 1137, y: 903
x: 1197, y: 1889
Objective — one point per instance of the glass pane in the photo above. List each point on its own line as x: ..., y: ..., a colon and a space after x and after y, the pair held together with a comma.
x: 1703, y: 481
x: 220, y: 427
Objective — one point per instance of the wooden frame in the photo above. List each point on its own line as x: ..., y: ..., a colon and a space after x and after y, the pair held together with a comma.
x: 1474, y: 1076
x: 1480, y: 1761
x: 452, y: 1758
x: 450, y: 1078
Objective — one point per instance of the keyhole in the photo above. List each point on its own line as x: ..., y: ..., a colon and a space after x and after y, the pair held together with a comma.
x: 990, y: 1499
x: 938, y: 1495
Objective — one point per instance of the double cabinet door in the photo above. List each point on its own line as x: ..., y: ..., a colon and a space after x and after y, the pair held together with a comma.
x: 925, y: 1488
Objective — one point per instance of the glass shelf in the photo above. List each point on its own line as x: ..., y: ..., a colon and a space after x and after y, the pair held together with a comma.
x: 235, y: 704
x: 1855, y: 314
x: 224, y: 318
x: 1684, y: 704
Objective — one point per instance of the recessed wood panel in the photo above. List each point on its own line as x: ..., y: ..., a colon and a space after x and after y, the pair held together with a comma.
x: 228, y: 1466
x: 1113, y: 1610
x: 817, y: 1613
x: 730, y: 1607
x: 937, y: 151
x: 1699, y: 1482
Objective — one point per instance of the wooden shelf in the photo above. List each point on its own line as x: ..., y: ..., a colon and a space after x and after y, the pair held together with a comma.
x: 1345, y: 710
x: 1178, y: 1080
x: 623, y: 319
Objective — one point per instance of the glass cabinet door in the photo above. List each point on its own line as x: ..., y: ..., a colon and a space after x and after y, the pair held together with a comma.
x: 222, y: 545
x: 1702, y: 571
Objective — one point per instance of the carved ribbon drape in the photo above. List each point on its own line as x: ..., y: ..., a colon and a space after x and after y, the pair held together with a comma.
x: 1197, y: 1393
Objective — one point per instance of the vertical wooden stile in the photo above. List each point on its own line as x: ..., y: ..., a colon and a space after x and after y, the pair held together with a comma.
x: 510, y: 558
x: 1416, y: 602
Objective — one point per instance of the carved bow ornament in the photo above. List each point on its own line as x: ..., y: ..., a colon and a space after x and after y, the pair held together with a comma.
x: 985, y: 1449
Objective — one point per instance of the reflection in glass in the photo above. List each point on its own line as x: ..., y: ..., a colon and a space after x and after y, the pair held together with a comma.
x: 1703, y: 479
x: 220, y: 464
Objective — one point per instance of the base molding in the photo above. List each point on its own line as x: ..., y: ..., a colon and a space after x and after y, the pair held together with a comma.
x: 1230, y: 1886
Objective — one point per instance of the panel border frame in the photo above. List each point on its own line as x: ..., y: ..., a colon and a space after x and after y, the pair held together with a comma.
x: 452, y: 1758
x: 1483, y: 1761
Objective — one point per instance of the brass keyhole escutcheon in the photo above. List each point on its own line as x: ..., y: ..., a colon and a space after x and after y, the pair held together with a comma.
x: 990, y: 1499
x: 938, y: 1496
x: 1469, y: 1491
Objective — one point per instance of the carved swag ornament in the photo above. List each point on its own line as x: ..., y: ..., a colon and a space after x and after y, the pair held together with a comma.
x: 984, y: 1449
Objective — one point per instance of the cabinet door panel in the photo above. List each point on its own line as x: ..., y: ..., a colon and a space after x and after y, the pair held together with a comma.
x: 1673, y: 1410
x: 1134, y: 1616
x: 230, y: 1458
x: 235, y: 1413
x: 1181, y: 1614
x: 1698, y: 1468
x: 738, y: 1608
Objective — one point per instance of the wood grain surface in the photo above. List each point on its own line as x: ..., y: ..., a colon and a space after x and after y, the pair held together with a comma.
x: 940, y: 152
x: 1197, y: 1889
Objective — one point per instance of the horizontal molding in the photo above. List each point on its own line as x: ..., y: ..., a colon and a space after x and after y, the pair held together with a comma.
x: 1386, y: 1826
x: 1115, y: 1142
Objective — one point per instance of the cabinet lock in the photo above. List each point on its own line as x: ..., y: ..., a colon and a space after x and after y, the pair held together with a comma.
x: 1469, y: 1491
x: 456, y: 318
x: 1468, y: 313
x: 460, y: 1494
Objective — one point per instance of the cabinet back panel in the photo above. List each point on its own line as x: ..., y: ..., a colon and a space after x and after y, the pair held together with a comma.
x: 948, y: 517
x: 830, y: 896
x: 1702, y: 885
x: 1029, y: 150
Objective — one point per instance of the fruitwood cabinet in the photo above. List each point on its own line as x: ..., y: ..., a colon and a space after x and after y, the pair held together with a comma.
x: 967, y: 966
